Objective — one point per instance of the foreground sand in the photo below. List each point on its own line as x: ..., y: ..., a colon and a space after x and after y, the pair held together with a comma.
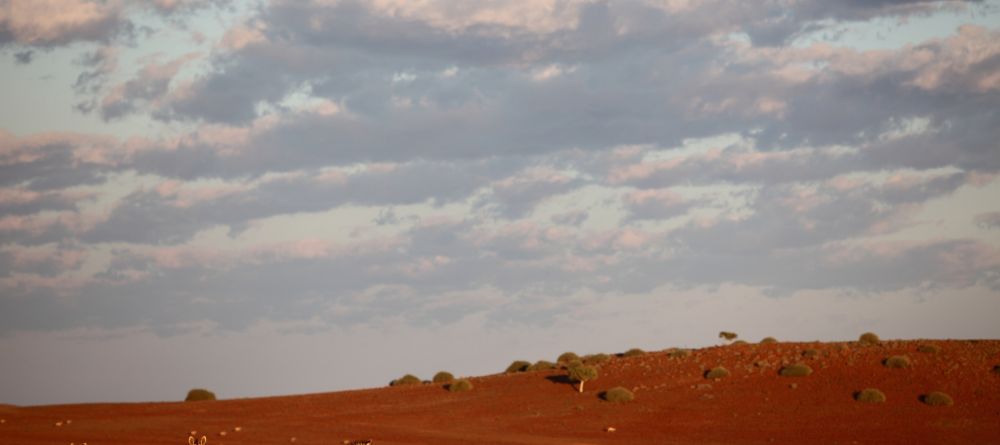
x: 674, y: 404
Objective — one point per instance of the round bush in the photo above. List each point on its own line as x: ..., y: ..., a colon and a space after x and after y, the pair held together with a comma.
x: 870, y: 395
x: 443, y: 377
x: 618, y: 395
x: 929, y: 349
x: 594, y: 359
x: 408, y: 379
x: 518, y: 366
x: 717, y: 372
x: 868, y: 338
x: 460, y: 385
x: 542, y: 365
x: 767, y: 340
x: 678, y: 353
x: 796, y: 370
x: 897, y: 362
x: 633, y: 352
x: 937, y: 398
x: 567, y: 357
x: 199, y: 394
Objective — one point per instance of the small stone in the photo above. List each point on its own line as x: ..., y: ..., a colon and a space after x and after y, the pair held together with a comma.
x: 69, y: 422
x: 793, y: 385
x: 222, y: 433
x: 238, y: 429
x: 610, y: 429
x: 291, y: 440
x: 58, y: 423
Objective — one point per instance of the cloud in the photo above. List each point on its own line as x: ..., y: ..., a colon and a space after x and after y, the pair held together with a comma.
x: 149, y: 84
x: 47, y: 23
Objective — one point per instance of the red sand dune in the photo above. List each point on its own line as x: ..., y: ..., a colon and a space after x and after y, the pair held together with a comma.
x: 674, y: 404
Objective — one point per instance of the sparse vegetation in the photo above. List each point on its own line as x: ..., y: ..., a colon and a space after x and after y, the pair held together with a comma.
x: 633, y: 352
x: 767, y: 340
x: 796, y: 370
x: 567, y: 357
x: 740, y: 342
x: 717, y: 372
x: 518, y: 366
x: 460, y: 385
x: 897, y: 362
x: 594, y: 359
x: 199, y: 394
x: 869, y: 338
x: 542, y: 365
x: 618, y: 395
x: 728, y: 336
x: 929, y: 349
x: 870, y: 395
x: 582, y: 374
x: 408, y: 379
x: 937, y: 398
x: 678, y: 353
x: 443, y: 377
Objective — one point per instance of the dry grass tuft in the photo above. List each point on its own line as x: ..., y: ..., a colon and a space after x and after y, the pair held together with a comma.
x: 408, y: 379
x: 199, y: 394
x: 767, y: 340
x: 937, y: 398
x: 870, y: 395
x: 460, y: 385
x: 517, y: 366
x: 717, y: 372
x: 443, y: 377
x: 796, y: 370
x: 929, y: 349
x: 618, y: 395
x: 897, y: 362
x: 869, y: 338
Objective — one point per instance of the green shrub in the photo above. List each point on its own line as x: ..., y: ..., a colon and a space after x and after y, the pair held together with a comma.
x: 870, y: 395
x: 717, y: 372
x: 678, y: 353
x: 542, y: 365
x: 518, y: 366
x: 199, y: 394
x: 740, y: 342
x: 897, y: 362
x: 460, y: 385
x: 729, y: 336
x: 618, y: 395
x: 594, y: 359
x: 573, y: 364
x: 408, y: 379
x: 443, y: 377
x: 929, y: 349
x: 582, y: 373
x: 633, y: 352
x: 869, y: 338
x: 796, y: 370
x: 567, y: 357
x: 767, y: 340
x: 937, y: 398
x: 810, y: 353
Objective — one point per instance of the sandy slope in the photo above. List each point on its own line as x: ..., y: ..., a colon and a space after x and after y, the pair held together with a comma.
x: 674, y: 405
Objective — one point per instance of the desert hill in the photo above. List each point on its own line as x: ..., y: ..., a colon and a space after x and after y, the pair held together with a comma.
x: 674, y: 404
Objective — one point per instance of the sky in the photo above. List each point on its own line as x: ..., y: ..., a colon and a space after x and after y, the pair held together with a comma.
x: 280, y: 197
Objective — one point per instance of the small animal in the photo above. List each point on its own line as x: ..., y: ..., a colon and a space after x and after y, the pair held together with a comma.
x: 203, y: 441
x: 358, y: 442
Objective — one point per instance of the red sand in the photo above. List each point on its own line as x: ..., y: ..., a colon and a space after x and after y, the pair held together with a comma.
x: 673, y: 404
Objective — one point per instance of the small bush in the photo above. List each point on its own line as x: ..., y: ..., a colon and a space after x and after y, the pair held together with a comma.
x: 870, y: 395
x: 567, y: 357
x: 678, y: 353
x: 199, y: 394
x: 408, y: 379
x: 443, y: 377
x: 740, y: 342
x: 633, y: 352
x: 869, y: 338
x: 796, y: 370
x: 929, y: 349
x: 542, y: 365
x: 518, y: 366
x: 717, y: 372
x: 810, y: 353
x: 897, y: 362
x: 730, y: 336
x: 460, y: 385
x: 594, y: 359
x: 767, y: 340
x: 618, y: 395
x: 937, y: 398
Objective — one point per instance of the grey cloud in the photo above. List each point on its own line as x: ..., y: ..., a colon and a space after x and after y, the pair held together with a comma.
x: 990, y: 220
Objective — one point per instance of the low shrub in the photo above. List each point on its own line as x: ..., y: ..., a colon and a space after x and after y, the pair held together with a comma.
x: 870, y: 395
x: 869, y: 338
x: 767, y: 340
x: 567, y: 357
x: 542, y: 365
x: 443, y: 377
x: 929, y: 349
x: 618, y: 395
x: 796, y: 370
x: 717, y: 372
x: 199, y: 394
x: 810, y: 353
x: 517, y: 366
x: 740, y: 342
x: 460, y: 385
x: 408, y: 379
x: 633, y: 352
x: 897, y: 362
x: 594, y: 359
x: 729, y: 336
x: 937, y: 398
x: 678, y: 353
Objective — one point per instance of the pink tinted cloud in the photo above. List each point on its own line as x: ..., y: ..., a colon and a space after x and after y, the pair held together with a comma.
x: 55, y: 22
